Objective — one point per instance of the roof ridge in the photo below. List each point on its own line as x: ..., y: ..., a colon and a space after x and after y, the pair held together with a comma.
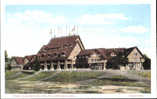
x: 66, y: 36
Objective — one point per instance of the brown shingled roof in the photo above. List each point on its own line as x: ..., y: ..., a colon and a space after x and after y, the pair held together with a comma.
x: 19, y: 60
x: 89, y: 52
x: 60, y: 46
x: 105, y: 53
x: 30, y: 57
x: 131, y: 48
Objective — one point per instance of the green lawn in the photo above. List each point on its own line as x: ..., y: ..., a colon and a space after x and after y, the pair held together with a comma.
x: 35, y: 84
x: 8, y: 74
x: 71, y: 77
x: 40, y: 76
x: 145, y: 74
x: 117, y: 80
x: 13, y: 75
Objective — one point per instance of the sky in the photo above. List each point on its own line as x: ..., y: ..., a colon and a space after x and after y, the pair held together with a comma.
x: 99, y: 26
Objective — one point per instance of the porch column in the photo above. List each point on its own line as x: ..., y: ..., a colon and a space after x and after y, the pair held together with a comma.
x: 72, y: 65
x: 52, y: 67
x: 45, y: 66
x: 65, y: 65
x: 41, y: 65
x: 58, y: 65
x: 141, y: 64
x: 21, y: 67
x: 105, y: 64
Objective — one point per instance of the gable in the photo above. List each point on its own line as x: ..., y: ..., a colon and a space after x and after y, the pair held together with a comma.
x: 80, y: 43
x: 94, y: 56
x: 76, y: 50
x: 13, y: 62
x: 134, y: 56
x: 61, y: 47
x: 26, y: 61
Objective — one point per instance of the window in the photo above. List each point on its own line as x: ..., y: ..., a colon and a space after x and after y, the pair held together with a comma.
x: 63, y: 54
x: 55, y: 54
x: 113, y: 54
x: 59, y: 55
x: 135, y: 54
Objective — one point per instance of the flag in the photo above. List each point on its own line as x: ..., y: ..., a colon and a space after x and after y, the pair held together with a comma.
x: 73, y: 29
x: 50, y: 32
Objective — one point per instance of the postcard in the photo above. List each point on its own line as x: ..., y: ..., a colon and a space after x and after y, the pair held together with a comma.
x: 78, y: 49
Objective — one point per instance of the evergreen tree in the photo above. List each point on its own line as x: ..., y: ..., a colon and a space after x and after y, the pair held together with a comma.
x: 7, y: 61
x: 36, y: 64
x: 147, y: 62
x: 6, y: 56
x: 116, y: 61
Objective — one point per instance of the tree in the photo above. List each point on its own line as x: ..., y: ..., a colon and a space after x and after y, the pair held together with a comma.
x: 7, y: 61
x: 6, y: 56
x: 116, y: 61
x: 36, y: 64
x: 147, y: 62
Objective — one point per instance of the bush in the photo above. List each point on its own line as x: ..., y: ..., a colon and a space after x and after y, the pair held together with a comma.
x: 7, y: 66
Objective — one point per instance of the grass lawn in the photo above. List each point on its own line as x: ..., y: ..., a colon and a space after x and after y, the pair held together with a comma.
x: 40, y: 76
x: 90, y: 81
x: 118, y: 80
x: 13, y: 75
x: 8, y: 74
x: 145, y: 74
x: 71, y: 77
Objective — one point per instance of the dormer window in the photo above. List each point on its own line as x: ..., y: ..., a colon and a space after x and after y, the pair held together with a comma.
x: 55, y: 54
x: 113, y: 54
x: 63, y: 54
x: 42, y: 55
x: 48, y: 55
x: 59, y: 55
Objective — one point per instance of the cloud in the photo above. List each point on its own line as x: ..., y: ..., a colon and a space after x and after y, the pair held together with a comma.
x: 24, y: 40
x: 103, y: 38
x: 101, y: 18
x: 134, y: 29
x: 25, y: 36
x: 37, y: 17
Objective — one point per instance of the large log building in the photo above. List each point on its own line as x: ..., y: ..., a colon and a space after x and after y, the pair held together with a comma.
x: 60, y: 53
x: 68, y: 52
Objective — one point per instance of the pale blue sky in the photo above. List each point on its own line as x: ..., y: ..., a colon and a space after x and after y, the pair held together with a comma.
x: 114, y: 25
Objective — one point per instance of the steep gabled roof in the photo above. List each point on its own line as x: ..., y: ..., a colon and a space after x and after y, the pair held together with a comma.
x: 30, y: 57
x: 103, y: 52
x: 129, y: 50
x: 88, y: 52
x: 19, y: 60
x: 58, y: 48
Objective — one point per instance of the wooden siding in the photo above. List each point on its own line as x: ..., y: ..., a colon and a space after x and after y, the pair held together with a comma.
x: 75, y: 52
x: 134, y: 56
x: 13, y: 62
x: 26, y: 61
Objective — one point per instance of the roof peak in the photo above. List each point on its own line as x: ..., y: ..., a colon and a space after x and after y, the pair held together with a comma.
x: 67, y: 36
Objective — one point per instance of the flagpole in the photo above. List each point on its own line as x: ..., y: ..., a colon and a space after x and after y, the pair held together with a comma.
x: 77, y: 29
x: 66, y: 29
x: 50, y: 32
x: 54, y: 33
x: 69, y: 30
x: 74, y: 30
